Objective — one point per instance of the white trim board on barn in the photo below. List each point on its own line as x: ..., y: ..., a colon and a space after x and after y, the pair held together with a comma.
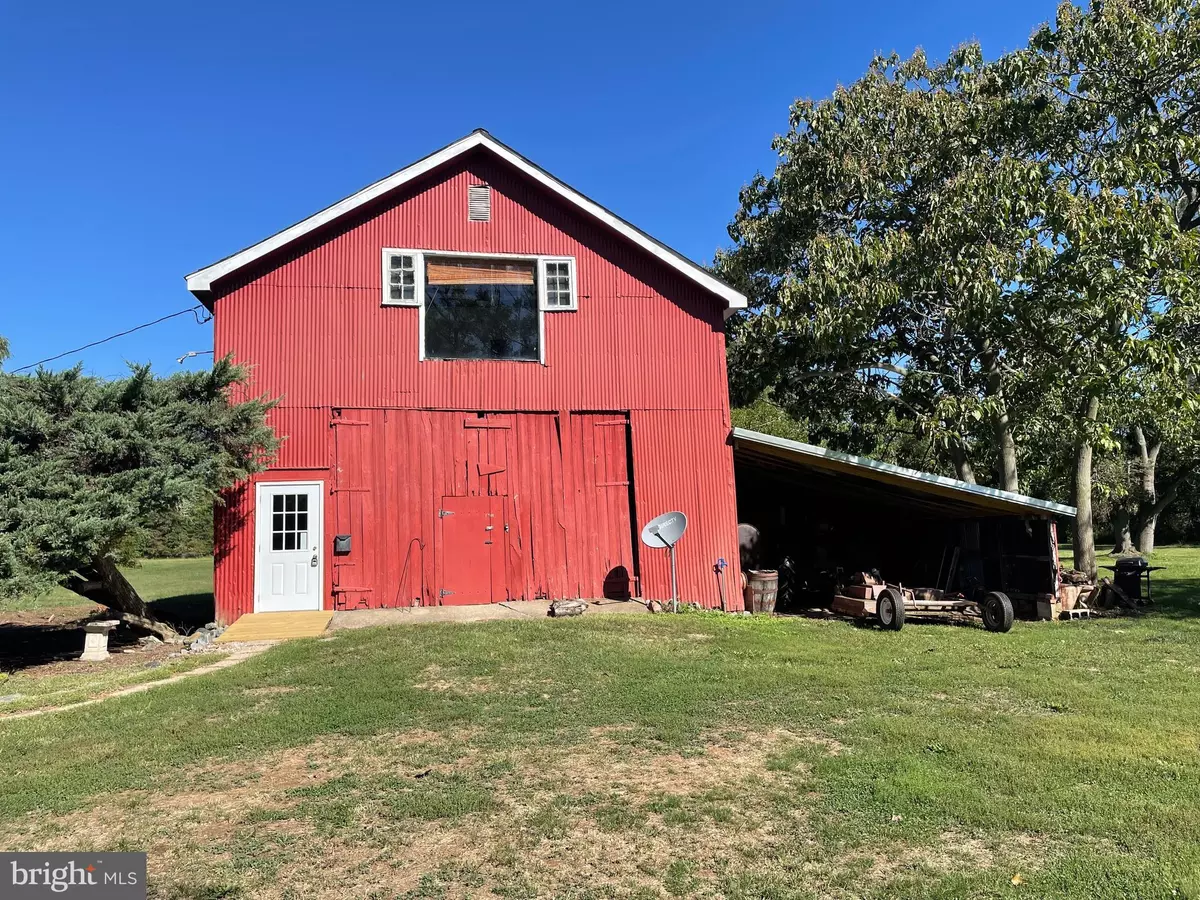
x: 986, y: 499
x: 201, y: 281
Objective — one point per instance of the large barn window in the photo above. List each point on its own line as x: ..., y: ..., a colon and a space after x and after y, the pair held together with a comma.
x: 478, y: 308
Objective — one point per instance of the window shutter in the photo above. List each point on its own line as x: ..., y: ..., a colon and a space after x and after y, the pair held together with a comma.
x: 479, y: 203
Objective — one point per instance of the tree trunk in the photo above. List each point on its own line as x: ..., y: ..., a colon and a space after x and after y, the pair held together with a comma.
x: 1148, y: 501
x: 102, y: 582
x: 1122, y: 538
x: 1008, y: 455
x: 1006, y: 447
x: 962, y: 465
x: 1083, y: 533
x: 1146, y: 541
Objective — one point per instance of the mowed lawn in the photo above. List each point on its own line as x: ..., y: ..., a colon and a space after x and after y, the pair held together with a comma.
x: 650, y: 756
x: 176, y: 580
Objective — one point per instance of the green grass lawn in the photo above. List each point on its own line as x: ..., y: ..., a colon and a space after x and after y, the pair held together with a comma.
x: 650, y: 756
x: 176, y: 580
x: 178, y: 588
x: 37, y: 691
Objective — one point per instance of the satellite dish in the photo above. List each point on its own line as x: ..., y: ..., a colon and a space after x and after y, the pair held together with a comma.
x: 665, y: 530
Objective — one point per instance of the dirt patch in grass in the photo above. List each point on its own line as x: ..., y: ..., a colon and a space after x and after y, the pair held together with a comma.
x: 950, y: 852
x: 57, y: 615
x: 270, y: 691
x: 423, y: 813
x: 436, y: 678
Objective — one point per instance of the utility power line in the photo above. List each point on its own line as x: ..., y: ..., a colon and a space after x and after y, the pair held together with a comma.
x: 113, y: 337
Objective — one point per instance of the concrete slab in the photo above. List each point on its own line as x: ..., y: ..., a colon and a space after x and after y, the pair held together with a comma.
x: 521, y: 609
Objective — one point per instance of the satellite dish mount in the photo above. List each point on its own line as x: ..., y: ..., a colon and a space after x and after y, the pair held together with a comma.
x: 664, y: 532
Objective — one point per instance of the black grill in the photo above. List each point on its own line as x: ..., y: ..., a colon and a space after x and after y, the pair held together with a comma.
x: 1131, y: 564
x: 1131, y: 574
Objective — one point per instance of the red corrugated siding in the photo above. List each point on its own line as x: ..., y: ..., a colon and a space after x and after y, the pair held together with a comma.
x: 645, y: 343
x: 682, y: 461
x: 304, y: 434
x: 643, y: 338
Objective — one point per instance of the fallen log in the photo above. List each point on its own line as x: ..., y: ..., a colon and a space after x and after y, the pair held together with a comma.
x: 156, y: 628
x: 102, y: 583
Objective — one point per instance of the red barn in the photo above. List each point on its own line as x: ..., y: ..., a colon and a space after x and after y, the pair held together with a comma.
x: 489, y: 384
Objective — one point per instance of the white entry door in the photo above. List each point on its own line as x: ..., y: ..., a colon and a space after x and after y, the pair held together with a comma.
x: 288, y: 562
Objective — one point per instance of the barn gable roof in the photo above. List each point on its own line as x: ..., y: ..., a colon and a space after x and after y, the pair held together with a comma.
x: 201, y: 281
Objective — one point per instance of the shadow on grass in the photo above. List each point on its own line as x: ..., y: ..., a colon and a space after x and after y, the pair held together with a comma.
x: 1176, y: 598
x: 24, y: 646
x: 186, y: 612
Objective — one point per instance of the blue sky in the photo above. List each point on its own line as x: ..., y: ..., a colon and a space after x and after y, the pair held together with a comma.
x: 141, y: 141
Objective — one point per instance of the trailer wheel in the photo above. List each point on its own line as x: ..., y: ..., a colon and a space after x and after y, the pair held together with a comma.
x: 889, y: 609
x: 997, y: 612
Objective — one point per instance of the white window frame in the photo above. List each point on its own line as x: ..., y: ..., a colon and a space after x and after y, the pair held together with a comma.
x: 418, y: 276
x: 539, y: 262
x: 542, y: 262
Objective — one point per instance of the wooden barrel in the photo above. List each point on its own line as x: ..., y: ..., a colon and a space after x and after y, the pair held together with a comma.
x: 762, y: 586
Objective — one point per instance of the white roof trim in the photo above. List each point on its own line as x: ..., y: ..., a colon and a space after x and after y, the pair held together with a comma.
x: 202, y: 280
x: 977, y: 490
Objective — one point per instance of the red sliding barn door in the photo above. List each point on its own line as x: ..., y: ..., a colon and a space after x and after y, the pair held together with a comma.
x: 606, y: 566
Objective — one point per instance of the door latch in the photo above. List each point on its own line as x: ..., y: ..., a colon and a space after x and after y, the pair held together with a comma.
x: 313, y: 563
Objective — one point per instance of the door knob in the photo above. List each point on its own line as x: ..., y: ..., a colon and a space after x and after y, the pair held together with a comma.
x: 313, y: 563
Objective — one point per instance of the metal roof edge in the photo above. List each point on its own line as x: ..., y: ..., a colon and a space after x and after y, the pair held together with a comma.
x: 201, y: 280
x: 863, y: 462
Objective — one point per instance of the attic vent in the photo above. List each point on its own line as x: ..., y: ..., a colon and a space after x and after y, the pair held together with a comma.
x: 479, y: 203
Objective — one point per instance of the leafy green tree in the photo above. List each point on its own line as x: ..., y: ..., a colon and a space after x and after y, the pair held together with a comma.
x: 88, y: 466
x: 989, y: 250
x: 889, y: 257
x: 889, y: 440
x: 1160, y: 445
x: 1117, y: 85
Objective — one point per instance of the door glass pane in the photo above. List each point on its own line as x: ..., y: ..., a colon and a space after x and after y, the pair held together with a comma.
x: 289, y: 530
